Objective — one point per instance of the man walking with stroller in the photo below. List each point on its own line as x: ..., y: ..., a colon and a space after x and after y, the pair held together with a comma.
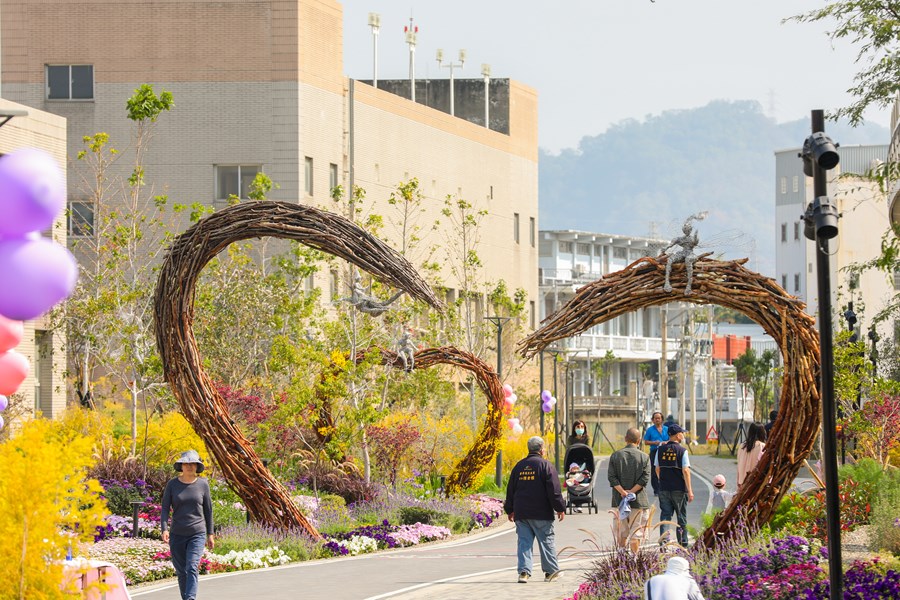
x: 532, y: 496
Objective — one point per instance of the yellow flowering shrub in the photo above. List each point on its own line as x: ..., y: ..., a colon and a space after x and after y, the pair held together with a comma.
x: 47, y: 503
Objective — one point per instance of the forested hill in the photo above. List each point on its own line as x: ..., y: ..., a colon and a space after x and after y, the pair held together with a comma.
x: 645, y: 177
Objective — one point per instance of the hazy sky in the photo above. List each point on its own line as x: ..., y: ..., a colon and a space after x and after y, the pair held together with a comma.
x: 597, y: 62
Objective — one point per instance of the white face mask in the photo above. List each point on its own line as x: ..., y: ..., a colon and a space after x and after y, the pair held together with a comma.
x: 579, y: 431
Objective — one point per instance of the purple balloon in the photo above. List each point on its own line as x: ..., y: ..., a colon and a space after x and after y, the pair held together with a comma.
x: 545, y: 396
x: 32, y: 191
x: 547, y: 407
x: 35, y: 274
x: 4, y: 402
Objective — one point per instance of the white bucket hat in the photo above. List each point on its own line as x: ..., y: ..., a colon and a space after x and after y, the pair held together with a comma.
x: 190, y: 456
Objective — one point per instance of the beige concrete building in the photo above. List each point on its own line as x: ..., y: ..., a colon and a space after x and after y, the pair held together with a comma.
x: 43, y: 391
x: 259, y: 86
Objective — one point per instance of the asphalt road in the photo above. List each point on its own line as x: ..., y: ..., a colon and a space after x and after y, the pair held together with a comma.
x: 480, y: 565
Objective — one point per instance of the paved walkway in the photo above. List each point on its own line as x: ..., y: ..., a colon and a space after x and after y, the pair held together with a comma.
x: 482, y: 565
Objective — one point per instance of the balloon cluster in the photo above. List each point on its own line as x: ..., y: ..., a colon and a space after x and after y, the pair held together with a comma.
x: 509, y: 400
x: 547, y: 401
x: 35, y: 272
x: 13, y: 366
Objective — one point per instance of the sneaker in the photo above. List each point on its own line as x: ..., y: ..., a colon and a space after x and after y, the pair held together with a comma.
x: 523, y: 577
x: 548, y: 577
x: 576, y: 509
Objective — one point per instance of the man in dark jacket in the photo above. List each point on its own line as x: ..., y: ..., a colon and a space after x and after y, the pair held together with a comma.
x: 673, y: 467
x: 532, y: 496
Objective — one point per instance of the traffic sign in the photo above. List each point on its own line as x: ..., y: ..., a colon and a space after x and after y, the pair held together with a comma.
x: 712, y: 434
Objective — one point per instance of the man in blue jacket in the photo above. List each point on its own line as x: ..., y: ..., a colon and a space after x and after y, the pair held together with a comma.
x: 532, y: 496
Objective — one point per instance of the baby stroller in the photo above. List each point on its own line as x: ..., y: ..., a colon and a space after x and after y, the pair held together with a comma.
x: 581, y: 492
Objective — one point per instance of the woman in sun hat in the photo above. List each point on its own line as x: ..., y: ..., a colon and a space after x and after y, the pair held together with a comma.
x: 188, y: 499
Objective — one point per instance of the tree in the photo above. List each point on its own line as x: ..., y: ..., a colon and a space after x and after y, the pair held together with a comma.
x: 875, y: 26
x: 876, y: 428
x: 755, y: 371
x: 109, y: 316
x: 48, y: 504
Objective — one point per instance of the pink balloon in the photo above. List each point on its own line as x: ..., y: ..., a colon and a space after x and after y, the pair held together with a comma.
x: 11, y: 333
x: 35, y: 274
x: 13, y: 370
x: 32, y: 191
x: 517, y: 429
x: 4, y: 402
x: 507, y: 390
x: 512, y: 422
x: 1, y: 423
x: 512, y: 399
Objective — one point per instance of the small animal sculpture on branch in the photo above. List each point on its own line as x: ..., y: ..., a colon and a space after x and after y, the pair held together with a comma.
x: 406, y: 350
x: 370, y: 305
x: 688, y: 243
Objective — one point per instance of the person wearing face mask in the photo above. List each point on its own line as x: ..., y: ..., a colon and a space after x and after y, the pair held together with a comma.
x: 579, y: 434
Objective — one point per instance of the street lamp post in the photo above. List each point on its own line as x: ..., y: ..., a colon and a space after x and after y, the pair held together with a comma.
x: 499, y: 322
x: 555, y: 352
x: 820, y: 220
x: 452, y: 65
x: 541, y: 385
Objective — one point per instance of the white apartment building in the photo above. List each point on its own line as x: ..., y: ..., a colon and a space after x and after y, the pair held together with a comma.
x: 571, y: 259
x: 863, y: 221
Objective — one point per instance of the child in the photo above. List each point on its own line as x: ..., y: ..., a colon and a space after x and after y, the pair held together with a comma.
x: 577, y: 475
x: 720, y: 497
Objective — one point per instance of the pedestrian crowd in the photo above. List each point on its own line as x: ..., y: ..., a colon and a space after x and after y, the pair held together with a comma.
x: 534, y: 497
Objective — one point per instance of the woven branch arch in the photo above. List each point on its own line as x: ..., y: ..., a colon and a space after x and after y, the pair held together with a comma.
x: 265, y: 498
x: 488, y: 439
x: 731, y: 285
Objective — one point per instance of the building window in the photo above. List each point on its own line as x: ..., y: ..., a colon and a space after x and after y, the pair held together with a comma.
x: 620, y: 252
x: 532, y: 316
x: 334, y: 281
x: 584, y: 249
x: 81, y: 219
x: 796, y: 183
x: 308, y: 176
x: 796, y: 283
x: 784, y: 232
x: 784, y: 282
x: 897, y: 280
x: 516, y: 227
x: 565, y: 247
x: 545, y: 248
x: 70, y: 82
x: 797, y: 230
x: 332, y: 176
x: 784, y: 185
x: 234, y: 181
x: 532, y: 230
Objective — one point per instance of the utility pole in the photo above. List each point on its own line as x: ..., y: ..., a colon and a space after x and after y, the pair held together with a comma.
x: 664, y: 362
x: 499, y: 322
x: 693, y: 384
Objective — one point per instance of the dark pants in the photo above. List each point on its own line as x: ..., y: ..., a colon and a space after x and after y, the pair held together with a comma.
x: 654, y: 479
x: 674, y: 503
x: 186, y: 552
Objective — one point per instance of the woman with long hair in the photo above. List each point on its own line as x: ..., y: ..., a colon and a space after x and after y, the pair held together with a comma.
x: 749, y: 454
x: 579, y: 434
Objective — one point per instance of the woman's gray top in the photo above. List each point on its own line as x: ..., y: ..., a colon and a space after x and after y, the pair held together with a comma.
x: 191, y: 507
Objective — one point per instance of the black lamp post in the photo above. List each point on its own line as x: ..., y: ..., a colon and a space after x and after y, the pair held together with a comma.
x: 555, y: 352
x: 499, y: 322
x: 541, y: 391
x: 873, y: 355
x: 820, y: 219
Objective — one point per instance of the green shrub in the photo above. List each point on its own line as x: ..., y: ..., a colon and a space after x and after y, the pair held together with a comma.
x: 885, y: 520
x: 410, y: 515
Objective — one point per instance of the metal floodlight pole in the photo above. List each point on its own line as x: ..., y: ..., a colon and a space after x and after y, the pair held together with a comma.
x: 821, y: 221
x: 452, y: 65
x: 411, y: 33
x: 375, y: 25
x: 499, y: 322
x: 486, y: 72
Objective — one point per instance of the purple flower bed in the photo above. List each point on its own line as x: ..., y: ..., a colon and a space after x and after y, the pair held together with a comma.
x: 782, y: 569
